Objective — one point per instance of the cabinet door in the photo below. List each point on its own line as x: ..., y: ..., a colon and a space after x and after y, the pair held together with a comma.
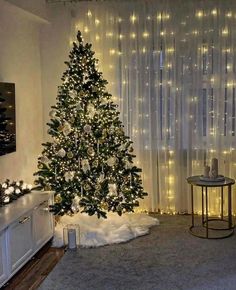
x: 3, y: 259
x: 43, y: 224
x: 20, y: 241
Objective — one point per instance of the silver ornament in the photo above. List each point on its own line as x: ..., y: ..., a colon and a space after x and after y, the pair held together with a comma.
x: 73, y: 94
x: 66, y: 129
x: 112, y: 189
x: 69, y: 175
x: 61, y: 153
x: 87, y: 129
x: 91, y: 111
x: 44, y: 159
x: 101, y: 178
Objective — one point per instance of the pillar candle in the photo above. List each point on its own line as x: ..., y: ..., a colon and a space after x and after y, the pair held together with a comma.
x: 207, y: 171
x: 214, y: 167
x: 71, y: 238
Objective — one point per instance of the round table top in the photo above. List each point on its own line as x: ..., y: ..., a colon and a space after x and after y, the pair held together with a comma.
x: 195, y: 180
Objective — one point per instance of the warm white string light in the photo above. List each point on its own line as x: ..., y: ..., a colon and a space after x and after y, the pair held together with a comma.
x: 215, y: 83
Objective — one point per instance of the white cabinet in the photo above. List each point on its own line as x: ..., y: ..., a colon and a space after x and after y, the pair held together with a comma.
x: 25, y: 226
x: 3, y: 260
x: 20, y: 242
x: 43, y: 224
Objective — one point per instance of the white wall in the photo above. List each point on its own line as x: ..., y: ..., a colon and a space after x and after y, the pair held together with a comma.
x: 54, y: 52
x: 20, y: 64
x: 36, y: 7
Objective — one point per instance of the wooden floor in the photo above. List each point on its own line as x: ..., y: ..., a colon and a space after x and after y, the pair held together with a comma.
x: 36, y: 270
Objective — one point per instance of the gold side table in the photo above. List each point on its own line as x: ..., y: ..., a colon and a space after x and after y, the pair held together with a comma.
x: 212, y: 228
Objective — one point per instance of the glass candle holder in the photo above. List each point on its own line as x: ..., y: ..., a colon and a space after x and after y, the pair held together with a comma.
x: 71, y: 236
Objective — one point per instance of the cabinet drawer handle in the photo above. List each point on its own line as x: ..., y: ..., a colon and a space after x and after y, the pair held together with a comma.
x: 24, y: 220
x: 42, y: 203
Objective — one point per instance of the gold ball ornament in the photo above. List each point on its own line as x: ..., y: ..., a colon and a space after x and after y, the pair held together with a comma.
x: 40, y: 166
x: 87, y: 187
x: 81, y: 94
x: 131, y: 149
x: 58, y: 198
x: 90, y: 151
x: 72, y: 120
x: 95, y: 89
x: 84, y: 61
x: 60, y: 128
x: 47, y: 187
x: 95, y: 163
x: 104, y: 205
x: 104, y: 132
x: 120, y: 131
x: 70, y: 155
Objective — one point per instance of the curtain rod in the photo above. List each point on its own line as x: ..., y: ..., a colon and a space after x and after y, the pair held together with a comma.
x: 72, y: 1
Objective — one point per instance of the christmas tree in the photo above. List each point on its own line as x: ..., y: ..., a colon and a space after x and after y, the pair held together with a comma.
x: 89, y: 162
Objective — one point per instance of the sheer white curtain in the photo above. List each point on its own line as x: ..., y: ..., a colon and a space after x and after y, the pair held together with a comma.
x: 171, y: 68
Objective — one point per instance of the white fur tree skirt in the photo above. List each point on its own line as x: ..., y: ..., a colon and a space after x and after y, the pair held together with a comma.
x: 96, y: 232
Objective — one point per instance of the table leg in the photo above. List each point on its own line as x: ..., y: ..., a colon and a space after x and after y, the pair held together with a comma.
x: 222, y: 206
x: 229, y: 207
x: 192, y: 205
x: 206, y: 212
x: 202, y: 206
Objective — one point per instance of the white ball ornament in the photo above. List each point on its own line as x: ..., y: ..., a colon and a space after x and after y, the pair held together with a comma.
x: 7, y: 192
x: 111, y: 161
x: 6, y: 199
x: 17, y: 191
x: 11, y: 189
x: 4, y: 185
x: 53, y: 114
x: 75, y: 204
